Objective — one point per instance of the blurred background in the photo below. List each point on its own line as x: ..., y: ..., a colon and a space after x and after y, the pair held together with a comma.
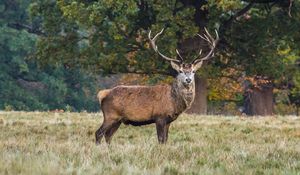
x: 55, y: 55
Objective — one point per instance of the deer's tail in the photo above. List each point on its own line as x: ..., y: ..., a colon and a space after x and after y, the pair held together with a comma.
x: 102, y: 94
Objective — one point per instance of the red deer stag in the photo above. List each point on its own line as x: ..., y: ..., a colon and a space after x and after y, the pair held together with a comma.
x: 160, y: 104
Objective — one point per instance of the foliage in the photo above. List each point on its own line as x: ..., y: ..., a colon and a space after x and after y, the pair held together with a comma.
x: 264, y: 46
x: 101, y: 34
x: 262, y: 43
x: 24, y: 85
x: 111, y: 36
x: 258, y: 38
x: 285, y: 109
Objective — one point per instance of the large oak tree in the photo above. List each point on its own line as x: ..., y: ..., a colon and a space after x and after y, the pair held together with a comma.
x: 259, y: 39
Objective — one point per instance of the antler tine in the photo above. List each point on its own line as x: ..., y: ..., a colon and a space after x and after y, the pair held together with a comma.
x: 211, y: 39
x: 204, y: 38
x: 212, y: 43
x: 152, y: 41
x: 159, y: 33
x: 208, y: 34
x: 217, y: 35
x: 154, y: 46
x: 200, y: 52
x: 179, y: 55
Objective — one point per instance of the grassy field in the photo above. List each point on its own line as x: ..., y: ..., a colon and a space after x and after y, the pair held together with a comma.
x: 63, y: 143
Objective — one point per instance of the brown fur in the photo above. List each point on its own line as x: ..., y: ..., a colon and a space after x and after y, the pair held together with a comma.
x: 102, y: 94
x: 139, y: 103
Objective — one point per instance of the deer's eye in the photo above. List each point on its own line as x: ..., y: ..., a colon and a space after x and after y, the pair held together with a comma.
x: 193, y: 71
x: 180, y: 71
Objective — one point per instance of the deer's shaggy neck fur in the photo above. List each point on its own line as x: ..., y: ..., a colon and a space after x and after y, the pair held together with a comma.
x: 183, y: 95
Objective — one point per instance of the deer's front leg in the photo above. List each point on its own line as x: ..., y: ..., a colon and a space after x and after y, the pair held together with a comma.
x: 166, y: 132
x: 162, y: 130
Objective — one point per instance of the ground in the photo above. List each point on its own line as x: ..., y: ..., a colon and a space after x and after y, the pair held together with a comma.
x: 63, y: 143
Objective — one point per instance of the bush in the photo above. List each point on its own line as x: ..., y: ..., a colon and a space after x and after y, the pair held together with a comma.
x: 285, y: 109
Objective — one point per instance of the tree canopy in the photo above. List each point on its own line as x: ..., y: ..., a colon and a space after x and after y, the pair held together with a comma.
x: 26, y: 86
x: 258, y: 38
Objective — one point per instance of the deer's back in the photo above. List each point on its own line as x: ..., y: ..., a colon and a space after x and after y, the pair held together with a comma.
x: 139, y: 103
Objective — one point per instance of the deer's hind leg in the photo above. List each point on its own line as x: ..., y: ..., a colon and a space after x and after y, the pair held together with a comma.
x: 108, y: 123
x: 110, y: 131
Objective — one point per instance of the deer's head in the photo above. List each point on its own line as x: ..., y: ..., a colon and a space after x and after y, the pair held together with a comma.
x: 186, y: 71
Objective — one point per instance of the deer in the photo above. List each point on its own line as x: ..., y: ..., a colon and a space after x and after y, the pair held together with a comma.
x: 159, y: 104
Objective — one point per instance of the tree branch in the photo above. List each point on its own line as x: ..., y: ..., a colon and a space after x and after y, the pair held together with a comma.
x: 29, y: 29
x: 226, y: 24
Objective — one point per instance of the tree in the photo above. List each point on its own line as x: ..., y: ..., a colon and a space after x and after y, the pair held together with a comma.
x: 265, y: 48
x: 24, y: 85
x: 110, y: 36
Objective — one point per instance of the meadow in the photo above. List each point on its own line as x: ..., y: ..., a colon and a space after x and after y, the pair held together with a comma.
x: 63, y: 143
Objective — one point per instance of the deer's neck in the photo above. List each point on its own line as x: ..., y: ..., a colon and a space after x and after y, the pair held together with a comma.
x: 183, y: 95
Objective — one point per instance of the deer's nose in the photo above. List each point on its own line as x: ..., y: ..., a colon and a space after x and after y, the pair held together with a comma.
x: 188, y: 80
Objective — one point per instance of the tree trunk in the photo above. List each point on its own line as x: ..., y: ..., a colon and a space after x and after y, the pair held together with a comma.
x: 259, y: 101
x: 193, y: 45
x: 199, y: 105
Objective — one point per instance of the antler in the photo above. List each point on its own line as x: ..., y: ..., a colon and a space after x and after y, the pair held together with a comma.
x: 154, y: 46
x: 181, y: 58
x: 212, y: 43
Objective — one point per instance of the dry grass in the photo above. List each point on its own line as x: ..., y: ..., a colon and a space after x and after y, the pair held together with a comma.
x: 51, y: 143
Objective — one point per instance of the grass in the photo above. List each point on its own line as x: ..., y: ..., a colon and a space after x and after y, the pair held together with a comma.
x: 63, y: 143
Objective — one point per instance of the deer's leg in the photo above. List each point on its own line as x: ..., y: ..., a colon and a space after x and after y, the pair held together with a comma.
x: 161, y: 131
x: 110, y: 131
x: 166, y: 132
x: 101, y: 131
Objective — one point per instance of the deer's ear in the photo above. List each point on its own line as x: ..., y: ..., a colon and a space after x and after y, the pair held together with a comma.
x: 175, y: 65
x: 197, y: 65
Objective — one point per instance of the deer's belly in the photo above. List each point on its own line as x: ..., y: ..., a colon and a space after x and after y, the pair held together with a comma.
x: 143, y: 113
x: 136, y: 123
x: 137, y: 114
